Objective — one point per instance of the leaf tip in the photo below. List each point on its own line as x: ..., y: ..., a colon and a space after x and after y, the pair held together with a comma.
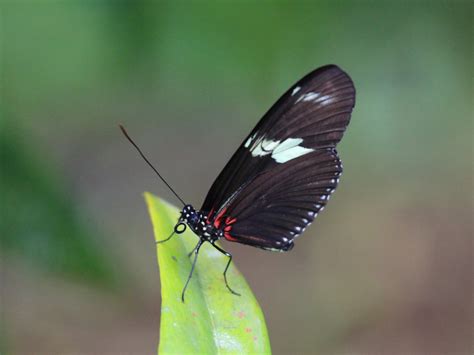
x: 149, y: 197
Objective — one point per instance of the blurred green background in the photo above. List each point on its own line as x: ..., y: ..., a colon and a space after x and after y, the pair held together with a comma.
x: 387, y: 268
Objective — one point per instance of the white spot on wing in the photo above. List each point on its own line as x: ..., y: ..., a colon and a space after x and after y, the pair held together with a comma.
x: 264, y: 148
x: 249, y: 141
x: 307, y: 97
x: 295, y: 90
x: 310, y: 96
x: 316, y: 97
x: 274, y: 249
x: 287, y: 144
x: 289, y: 154
x: 281, y: 151
x: 289, y: 149
x: 325, y: 99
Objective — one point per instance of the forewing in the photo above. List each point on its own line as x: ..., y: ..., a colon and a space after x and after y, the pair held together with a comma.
x: 310, y: 117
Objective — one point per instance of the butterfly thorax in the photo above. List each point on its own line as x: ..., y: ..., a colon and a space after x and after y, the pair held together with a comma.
x: 199, y: 224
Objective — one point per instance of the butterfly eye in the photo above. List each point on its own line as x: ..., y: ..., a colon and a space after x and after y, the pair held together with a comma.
x: 194, y: 218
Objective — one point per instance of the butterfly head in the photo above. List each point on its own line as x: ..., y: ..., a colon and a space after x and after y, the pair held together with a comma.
x: 189, y: 215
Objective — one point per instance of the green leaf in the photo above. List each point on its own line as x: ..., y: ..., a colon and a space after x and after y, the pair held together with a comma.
x: 212, y: 321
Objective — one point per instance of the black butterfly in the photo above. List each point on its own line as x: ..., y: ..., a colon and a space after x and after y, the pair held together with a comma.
x: 283, y: 173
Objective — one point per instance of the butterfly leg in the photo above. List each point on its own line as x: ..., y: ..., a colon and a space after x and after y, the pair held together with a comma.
x: 229, y: 255
x: 196, y: 252
x: 165, y: 240
x: 192, y: 251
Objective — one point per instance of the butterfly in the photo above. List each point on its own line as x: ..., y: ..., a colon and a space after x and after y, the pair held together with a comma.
x: 282, y: 175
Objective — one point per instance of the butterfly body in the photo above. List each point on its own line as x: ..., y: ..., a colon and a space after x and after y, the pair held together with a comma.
x: 198, y: 222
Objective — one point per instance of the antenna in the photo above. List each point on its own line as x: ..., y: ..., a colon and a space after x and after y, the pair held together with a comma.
x: 148, y: 162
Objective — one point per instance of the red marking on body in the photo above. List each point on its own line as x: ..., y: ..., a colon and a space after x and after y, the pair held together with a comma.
x: 248, y: 330
x: 241, y: 314
x: 217, y: 221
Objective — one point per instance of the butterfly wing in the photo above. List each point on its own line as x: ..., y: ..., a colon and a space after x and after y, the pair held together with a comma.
x: 278, y: 204
x: 272, y: 186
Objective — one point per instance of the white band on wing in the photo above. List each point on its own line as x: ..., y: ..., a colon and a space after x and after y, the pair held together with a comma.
x: 281, y: 152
